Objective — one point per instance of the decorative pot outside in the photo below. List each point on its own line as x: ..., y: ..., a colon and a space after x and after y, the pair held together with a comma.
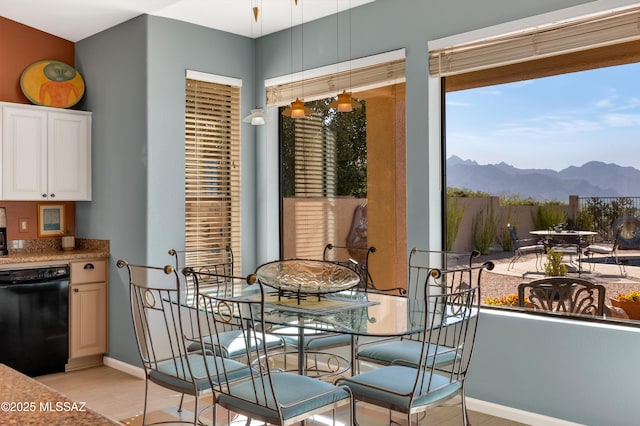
x: 631, y: 308
x: 68, y: 242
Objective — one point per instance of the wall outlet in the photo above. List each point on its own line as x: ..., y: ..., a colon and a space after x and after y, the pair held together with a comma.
x: 24, y: 225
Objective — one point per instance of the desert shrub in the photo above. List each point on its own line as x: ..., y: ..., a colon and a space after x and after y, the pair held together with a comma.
x: 502, y: 233
x: 484, y: 230
x: 550, y: 214
x: 455, y: 212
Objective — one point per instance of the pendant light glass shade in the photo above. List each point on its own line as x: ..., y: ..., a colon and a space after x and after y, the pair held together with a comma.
x: 345, y: 103
x: 297, y: 110
x: 256, y: 117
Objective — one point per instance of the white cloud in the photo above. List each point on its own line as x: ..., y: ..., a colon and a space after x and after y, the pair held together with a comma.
x: 458, y: 104
x: 622, y: 120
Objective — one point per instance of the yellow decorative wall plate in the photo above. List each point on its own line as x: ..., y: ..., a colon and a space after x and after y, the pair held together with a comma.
x: 52, y: 83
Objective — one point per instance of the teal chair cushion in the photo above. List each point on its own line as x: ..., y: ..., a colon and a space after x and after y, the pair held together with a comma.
x: 314, y: 341
x: 396, y: 383
x: 182, y: 379
x: 405, y: 352
x: 297, y: 394
x: 233, y: 344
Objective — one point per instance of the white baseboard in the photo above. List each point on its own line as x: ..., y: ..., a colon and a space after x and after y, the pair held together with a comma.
x: 515, y: 414
x: 473, y: 404
x: 124, y: 367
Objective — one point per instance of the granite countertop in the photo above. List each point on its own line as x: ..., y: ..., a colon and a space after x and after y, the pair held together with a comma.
x: 25, y: 401
x: 49, y: 250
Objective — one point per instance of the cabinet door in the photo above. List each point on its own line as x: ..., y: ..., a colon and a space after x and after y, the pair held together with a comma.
x: 69, y: 157
x: 88, y: 319
x: 24, y: 153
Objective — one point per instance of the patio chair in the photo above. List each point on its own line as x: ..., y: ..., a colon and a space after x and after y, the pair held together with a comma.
x: 563, y: 295
x: 409, y: 386
x: 157, y: 310
x: 524, y: 246
x: 268, y: 394
x: 610, y: 252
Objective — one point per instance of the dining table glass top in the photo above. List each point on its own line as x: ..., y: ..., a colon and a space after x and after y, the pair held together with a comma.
x: 349, y: 312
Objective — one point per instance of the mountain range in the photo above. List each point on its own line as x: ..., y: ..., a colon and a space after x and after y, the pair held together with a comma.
x: 592, y: 179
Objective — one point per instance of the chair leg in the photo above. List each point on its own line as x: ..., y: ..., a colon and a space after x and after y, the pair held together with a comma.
x: 180, y: 405
x: 195, y: 412
x: 623, y: 269
x: 465, y: 414
x: 146, y: 392
x: 512, y: 263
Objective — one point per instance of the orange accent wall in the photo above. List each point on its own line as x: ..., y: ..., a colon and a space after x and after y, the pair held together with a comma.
x: 20, y: 46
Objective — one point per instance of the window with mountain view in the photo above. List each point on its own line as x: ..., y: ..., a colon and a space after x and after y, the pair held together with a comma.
x: 552, y: 153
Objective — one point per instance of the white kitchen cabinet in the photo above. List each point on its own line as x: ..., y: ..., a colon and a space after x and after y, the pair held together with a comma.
x: 87, y: 312
x: 46, y: 153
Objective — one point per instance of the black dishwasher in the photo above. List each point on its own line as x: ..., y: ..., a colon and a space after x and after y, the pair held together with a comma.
x: 34, y: 319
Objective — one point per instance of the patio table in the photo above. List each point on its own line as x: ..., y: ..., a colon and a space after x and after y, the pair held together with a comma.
x: 577, y: 235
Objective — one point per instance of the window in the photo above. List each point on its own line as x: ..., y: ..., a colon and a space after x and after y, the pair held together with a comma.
x: 212, y: 171
x: 333, y: 164
x: 572, y: 89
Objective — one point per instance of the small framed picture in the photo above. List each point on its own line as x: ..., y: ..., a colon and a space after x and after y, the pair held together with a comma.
x: 51, y: 220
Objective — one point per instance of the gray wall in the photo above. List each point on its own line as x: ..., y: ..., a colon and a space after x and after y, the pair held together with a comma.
x: 114, y: 66
x: 135, y: 77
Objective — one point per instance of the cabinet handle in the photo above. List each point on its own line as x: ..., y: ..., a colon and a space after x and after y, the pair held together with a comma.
x: 52, y: 195
x: 89, y: 266
x: 75, y: 290
x: 44, y: 195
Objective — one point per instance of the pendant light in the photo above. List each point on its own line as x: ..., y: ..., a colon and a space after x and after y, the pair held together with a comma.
x: 257, y: 117
x: 345, y: 103
x: 297, y: 109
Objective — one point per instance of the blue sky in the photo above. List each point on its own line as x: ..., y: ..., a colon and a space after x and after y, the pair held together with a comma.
x: 552, y: 122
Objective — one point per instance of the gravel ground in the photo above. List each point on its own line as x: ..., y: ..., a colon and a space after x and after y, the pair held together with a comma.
x: 498, y: 285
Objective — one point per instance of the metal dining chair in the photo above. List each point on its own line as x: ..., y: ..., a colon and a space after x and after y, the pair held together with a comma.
x: 157, y: 310
x: 217, y: 279
x: 411, y: 386
x: 422, y: 265
x: 356, y: 258
x: 268, y: 394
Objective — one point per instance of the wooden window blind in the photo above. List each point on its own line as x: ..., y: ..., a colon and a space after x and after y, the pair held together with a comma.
x: 212, y: 172
x: 314, y: 159
x: 569, y: 46
x: 323, y: 86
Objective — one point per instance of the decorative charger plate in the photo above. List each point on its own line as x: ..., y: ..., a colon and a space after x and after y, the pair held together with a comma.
x: 52, y: 83
x: 307, y: 276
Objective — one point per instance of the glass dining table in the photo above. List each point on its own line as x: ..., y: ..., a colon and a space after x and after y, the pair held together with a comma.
x: 313, y: 308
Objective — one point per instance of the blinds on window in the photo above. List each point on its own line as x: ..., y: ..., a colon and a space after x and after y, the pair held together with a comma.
x: 541, y: 42
x: 327, y: 85
x: 212, y: 171
x: 314, y: 159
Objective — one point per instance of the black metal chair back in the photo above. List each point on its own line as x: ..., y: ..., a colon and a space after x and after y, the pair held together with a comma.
x: 423, y: 262
x: 445, y: 347
x: 266, y: 394
x: 563, y: 295
x: 157, y: 304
